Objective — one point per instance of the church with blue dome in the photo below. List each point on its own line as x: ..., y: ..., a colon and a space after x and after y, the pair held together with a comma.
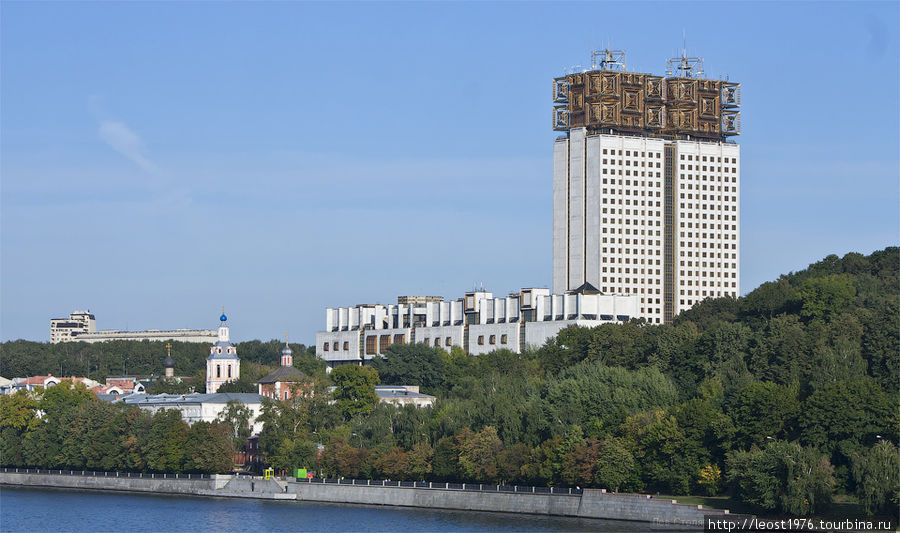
x: 222, y: 365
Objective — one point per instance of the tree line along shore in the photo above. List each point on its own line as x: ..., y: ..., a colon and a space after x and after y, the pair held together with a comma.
x: 785, y: 400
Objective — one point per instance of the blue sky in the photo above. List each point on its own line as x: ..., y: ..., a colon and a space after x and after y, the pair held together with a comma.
x: 159, y: 160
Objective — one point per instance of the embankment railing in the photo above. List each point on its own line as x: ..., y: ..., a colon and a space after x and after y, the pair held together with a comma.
x: 475, y: 487
x: 95, y: 473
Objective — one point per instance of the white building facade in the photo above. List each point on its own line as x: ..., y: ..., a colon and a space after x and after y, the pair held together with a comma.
x: 646, y: 183
x: 610, y: 195
x: 81, y: 326
x: 478, y: 323
x: 197, y: 407
x: 66, y: 329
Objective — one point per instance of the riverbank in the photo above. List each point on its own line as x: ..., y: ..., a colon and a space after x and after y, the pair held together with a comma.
x: 589, y: 503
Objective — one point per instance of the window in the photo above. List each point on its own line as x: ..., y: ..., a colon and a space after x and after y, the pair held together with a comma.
x: 481, y: 340
x: 503, y: 339
x: 399, y: 338
x: 383, y: 342
x: 336, y: 346
x: 218, y: 371
x: 427, y: 341
x: 493, y: 339
x: 448, y: 342
x: 325, y: 347
x: 285, y: 395
x: 229, y: 370
x: 346, y: 345
x: 371, y: 342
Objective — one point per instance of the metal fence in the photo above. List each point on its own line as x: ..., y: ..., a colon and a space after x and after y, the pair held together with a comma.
x: 94, y: 473
x: 474, y: 487
x: 477, y: 487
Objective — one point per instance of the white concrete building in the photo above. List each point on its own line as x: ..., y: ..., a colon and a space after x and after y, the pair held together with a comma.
x: 478, y: 323
x: 182, y: 335
x: 403, y: 395
x: 609, y: 219
x: 198, y: 407
x: 81, y: 326
x: 646, y: 184
x: 65, y: 329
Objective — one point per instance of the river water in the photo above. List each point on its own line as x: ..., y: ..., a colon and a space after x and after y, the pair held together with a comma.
x: 37, y: 510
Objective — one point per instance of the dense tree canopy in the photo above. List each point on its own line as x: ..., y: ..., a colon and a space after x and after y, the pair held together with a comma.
x: 782, y: 399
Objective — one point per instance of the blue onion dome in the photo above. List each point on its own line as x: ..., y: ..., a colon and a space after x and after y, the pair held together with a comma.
x: 169, y: 362
x: 223, y: 318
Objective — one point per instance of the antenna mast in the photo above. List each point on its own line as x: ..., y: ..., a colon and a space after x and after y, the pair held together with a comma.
x: 684, y: 66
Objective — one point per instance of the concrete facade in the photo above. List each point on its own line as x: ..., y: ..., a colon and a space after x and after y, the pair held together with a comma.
x: 198, y: 407
x: 611, y: 219
x: 66, y: 329
x: 591, y: 503
x: 478, y: 323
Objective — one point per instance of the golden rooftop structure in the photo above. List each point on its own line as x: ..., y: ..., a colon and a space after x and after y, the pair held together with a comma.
x: 609, y: 99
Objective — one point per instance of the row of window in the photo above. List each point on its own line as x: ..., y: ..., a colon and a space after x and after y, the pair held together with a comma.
x: 704, y: 274
x: 631, y: 222
x: 711, y: 283
x: 728, y: 188
x: 703, y: 245
x: 612, y: 288
x: 627, y: 162
x: 712, y: 265
x: 712, y: 159
x: 633, y: 281
x: 613, y: 240
x: 643, y: 173
x: 711, y: 169
x: 437, y: 341
x: 711, y: 226
x: 628, y: 192
x: 605, y: 259
x: 691, y: 224
x: 657, y: 155
x: 634, y: 251
x: 492, y: 339
x: 629, y: 184
x: 711, y: 197
x: 690, y: 254
x: 629, y: 270
x: 336, y: 346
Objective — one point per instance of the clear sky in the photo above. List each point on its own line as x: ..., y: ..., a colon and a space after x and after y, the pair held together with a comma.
x: 162, y: 159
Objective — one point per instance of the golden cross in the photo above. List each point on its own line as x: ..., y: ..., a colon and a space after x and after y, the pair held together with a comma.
x: 286, y: 341
x: 169, y: 348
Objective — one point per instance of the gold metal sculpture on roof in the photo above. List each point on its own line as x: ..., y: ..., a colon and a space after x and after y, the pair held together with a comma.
x: 609, y: 99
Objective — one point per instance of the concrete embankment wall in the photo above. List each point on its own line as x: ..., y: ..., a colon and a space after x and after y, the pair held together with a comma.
x: 130, y: 484
x: 590, y: 503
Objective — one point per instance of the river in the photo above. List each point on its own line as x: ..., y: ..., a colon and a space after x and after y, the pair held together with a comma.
x: 64, y: 510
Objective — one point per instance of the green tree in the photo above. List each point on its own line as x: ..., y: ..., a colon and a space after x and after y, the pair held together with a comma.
x: 479, y: 454
x: 237, y: 416
x: 208, y: 448
x: 615, y: 468
x: 876, y: 472
x: 591, y: 390
x: 824, y: 297
x: 847, y: 411
x: 355, y: 389
x: 765, y: 410
x: 782, y: 476
x: 411, y: 364
x: 240, y: 386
